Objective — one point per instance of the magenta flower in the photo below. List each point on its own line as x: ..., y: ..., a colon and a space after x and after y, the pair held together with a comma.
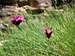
x: 17, y: 20
x: 48, y: 31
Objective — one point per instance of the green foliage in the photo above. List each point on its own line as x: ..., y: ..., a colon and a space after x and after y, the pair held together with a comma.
x: 31, y: 41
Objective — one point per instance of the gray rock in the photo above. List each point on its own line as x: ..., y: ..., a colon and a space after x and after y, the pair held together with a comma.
x: 3, y: 26
x: 8, y: 11
x: 12, y: 7
x: 40, y: 3
x: 34, y: 3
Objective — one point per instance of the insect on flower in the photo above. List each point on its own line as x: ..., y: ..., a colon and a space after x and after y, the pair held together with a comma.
x: 48, y: 31
x: 16, y: 20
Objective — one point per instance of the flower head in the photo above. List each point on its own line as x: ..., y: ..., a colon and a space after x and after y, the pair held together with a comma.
x: 48, y: 31
x: 17, y: 20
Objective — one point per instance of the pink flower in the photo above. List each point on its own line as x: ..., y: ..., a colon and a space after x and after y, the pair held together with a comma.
x: 17, y: 20
x: 48, y: 31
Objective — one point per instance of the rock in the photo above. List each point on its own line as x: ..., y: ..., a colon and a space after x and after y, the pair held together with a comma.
x: 22, y: 3
x: 37, y: 6
x: 40, y: 3
x: 3, y: 26
x: 35, y: 3
x: 8, y: 11
x: 13, y: 7
x: 34, y: 10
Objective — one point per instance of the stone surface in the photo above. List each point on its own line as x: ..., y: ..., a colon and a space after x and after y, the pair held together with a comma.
x: 3, y: 26
x: 12, y: 7
x: 40, y: 3
x: 10, y: 10
x: 33, y: 3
